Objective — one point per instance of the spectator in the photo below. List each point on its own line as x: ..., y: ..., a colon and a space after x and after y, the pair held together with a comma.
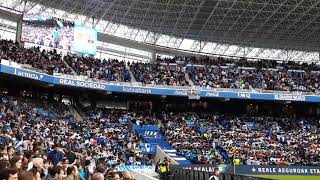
x: 101, y: 169
x: 216, y: 174
x: 57, y: 172
x: 127, y: 176
x: 56, y: 156
x: 70, y: 156
x: 157, y: 74
x: 72, y: 173
x: 46, y: 165
x: 37, y: 168
x: 16, y: 162
x: 4, y: 164
x: 24, y: 175
x: 114, y: 176
x: 97, y: 176
x: 11, y: 152
x: 9, y: 174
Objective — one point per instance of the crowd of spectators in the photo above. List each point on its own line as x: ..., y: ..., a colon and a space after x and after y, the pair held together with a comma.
x: 252, y: 140
x: 49, y: 144
x: 157, y: 74
x: 241, y: 62
x: 136, y: 117
x: 203, y: 71
x: 47, y: 61
x: 250, y: 74
x: 108, y: 70
x: 43, y: 140
x: 253, y: 78
x: 51, y: 62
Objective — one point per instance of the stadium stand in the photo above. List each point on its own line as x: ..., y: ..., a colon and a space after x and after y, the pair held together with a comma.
x: 209, y: 139
x: 169, y: 90
x: 108, y: 70
x: 38, y: 130
x: 158, y: 74
x: 254, y: 140
x: 47, y: 61
x: 216, y: 73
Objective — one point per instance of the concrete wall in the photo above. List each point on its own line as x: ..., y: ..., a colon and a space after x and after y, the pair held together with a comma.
x: 142, y: 174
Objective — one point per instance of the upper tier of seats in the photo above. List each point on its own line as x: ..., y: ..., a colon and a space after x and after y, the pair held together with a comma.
x: 203, y: 71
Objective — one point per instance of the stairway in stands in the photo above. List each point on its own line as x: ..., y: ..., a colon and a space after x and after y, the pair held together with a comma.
x: 133, y: 79
x: 152, y: 134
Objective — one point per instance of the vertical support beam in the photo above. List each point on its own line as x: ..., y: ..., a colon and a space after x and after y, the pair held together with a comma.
x: 19, y: 30
x: 153, y: 56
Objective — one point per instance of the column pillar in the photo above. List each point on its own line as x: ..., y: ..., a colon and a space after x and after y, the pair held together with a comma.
x: 153, y: 56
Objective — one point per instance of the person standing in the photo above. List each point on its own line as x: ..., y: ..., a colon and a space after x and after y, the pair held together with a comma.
x: 56, y: 38
x: 157, y: 168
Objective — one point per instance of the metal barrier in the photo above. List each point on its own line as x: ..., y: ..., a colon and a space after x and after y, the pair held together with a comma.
x: 178, y: 173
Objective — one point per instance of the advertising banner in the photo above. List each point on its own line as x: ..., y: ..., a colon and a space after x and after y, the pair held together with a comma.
x: 134, y: 167
x: 205, y: 167
x: 278, y: 170
x: 58, y: 80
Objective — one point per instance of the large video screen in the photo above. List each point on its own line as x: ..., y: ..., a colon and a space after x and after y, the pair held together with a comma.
x: 57, y: 33
x: 85, y: 40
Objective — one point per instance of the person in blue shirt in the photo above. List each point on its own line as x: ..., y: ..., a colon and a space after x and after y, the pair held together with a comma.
x: 56, y: 155
x: 56, y: 38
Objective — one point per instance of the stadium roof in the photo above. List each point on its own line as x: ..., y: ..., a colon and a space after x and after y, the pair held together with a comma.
x: 293, y: 24
x: 275, y: 24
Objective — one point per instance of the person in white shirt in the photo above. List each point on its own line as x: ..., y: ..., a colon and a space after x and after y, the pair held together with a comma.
x: 216, y: 174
